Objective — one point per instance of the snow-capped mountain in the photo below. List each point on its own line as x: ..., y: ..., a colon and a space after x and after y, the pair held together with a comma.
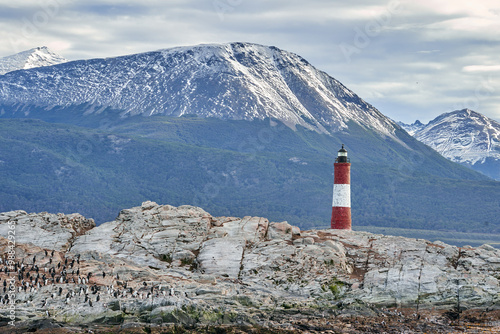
x: 229, y: 81
x: 32, y: 58
x: 466, y: 137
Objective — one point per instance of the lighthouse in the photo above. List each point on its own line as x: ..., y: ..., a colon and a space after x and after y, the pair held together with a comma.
x: 341, y: 206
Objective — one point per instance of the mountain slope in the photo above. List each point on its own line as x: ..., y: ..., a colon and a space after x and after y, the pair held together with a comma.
x: 466, y: 137
x: 236, y: 168
x: 229, y: 81
x: 32, y: 58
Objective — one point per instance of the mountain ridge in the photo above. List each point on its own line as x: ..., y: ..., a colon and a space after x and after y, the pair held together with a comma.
x: 233, y: 80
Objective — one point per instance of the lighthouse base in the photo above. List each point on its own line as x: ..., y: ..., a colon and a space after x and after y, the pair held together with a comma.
x: 341, y: 218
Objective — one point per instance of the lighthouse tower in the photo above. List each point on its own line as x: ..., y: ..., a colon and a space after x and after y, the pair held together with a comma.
x: 341, y: 206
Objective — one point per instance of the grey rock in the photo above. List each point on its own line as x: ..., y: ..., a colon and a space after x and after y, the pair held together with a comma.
x: 181, y: 265
x: 52, y: 231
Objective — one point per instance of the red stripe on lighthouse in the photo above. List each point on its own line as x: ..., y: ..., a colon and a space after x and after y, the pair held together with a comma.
x: 341, y: 218
x: 341, y: 204
x: 342, y: 173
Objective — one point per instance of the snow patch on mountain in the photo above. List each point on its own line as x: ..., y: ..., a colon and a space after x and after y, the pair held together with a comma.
x: 32, y: 58
x: 240, y: 81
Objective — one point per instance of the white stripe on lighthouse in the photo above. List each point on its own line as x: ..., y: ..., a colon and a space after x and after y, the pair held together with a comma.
x: 341, y: 195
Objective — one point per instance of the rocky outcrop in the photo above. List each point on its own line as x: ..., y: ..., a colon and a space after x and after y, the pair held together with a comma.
x: 46, y: 230
x: 163, y: 264
x: 407, y: 272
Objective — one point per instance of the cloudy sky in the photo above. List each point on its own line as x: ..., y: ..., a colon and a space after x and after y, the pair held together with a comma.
x: 410, y: 59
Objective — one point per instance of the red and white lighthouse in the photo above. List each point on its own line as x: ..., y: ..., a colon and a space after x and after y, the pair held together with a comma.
x: 341, y: 206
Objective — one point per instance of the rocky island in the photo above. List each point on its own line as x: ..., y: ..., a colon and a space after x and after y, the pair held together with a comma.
x: 164, y: 269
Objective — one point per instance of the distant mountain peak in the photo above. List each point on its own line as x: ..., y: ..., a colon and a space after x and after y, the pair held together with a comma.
x: 32, y: 58
x: 464, y: 136
x: 412, y: 128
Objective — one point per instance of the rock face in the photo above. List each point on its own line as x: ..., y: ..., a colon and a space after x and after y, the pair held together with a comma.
x: 45, y: 230
x: 164, y: 264
x: 401, y: 271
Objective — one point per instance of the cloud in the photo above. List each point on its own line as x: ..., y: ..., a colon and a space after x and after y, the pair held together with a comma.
x: 482, y: 68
